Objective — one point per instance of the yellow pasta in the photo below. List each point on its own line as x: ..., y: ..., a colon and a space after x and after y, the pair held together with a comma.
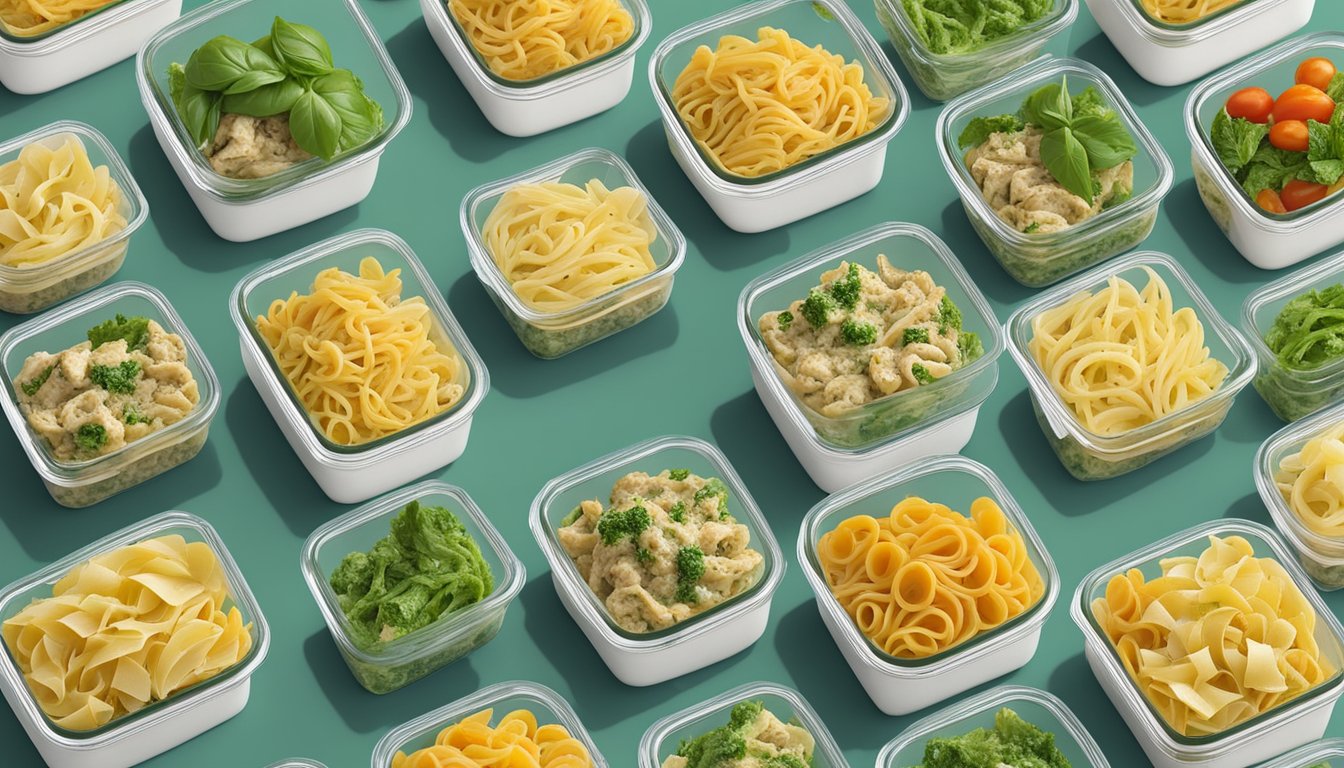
x: 925, y: 578
x: 527, y: 39
x: 517, y: 741
x: 1312, y: 482
x: 27, y: 18
x: 760, y: 106
x: 1185, y: 11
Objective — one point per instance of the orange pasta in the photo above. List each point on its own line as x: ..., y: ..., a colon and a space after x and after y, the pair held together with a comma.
x: 516, y: 742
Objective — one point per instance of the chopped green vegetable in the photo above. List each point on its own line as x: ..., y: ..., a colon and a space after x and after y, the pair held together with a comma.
x: 922, y: 374
x: 980, y: 129
x: 1013, y: 741
x: 857, y: 333
x: 135, y: 330
x: 823, y: 12
x: 131, y: 414
x: 737, y: 744
x: 678, y: 474
x: 963, y: 26
x: 678, y: 512
x: 970, y: 346
x: 713, y: 489
x: 31, y: 386
x: 644, y: 555
x: 690, y: 569
x: 949, y: 315
x: 1032, y: 227
x: 915, y: 335
x: 120, y: 379
x: 785, y: 319
x: 616, y: 524
x: 817, y: 308
x: 90, y: 437
x: 846, y: 290
x: 1309, y: 331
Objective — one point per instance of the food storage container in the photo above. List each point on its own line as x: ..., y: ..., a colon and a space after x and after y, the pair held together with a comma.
x: 1277, y: 730
x: 529, y: 107
x: 247, y: 209
x: 391, y: 665
x: 1322, y: 754
x: 552, y: 334
x: 1090, y: 456
x: 817, y: 183
x: 1172, y: 54
x: 1039, y: 259
x: 353, y: 473
x: 297, y: 762
x: 660, y: 741
x: 881, y: 435
x: 162, y: 725
x: 33, y: 288
x: 899, y: 686
x: 548, y: 706
x: 653, y: 657
x: 83, y: 483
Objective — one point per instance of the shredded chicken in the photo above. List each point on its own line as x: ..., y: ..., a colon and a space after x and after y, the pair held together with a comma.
x: 253, y: 147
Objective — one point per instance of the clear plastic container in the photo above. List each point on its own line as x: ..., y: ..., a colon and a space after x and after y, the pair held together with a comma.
x: 529, y: 107
x: 1326, y: 753
x: 1090, y: 456
x: 83, y: 483
x: 816, y: 184
x: 891, y: 431
x: 403, y: 661
x: 247, y: 209
x: 34, y: 288
x: 552, y: 334
x: 901, y: 686
x: 297, y: 762
x: 708, y: 637
x: 1275, y: 731
x: 1037, y: 260
x: 159, y: 727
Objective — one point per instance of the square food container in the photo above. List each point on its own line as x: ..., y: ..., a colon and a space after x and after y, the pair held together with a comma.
x: 660, y: 741
x: 817, y: 183
x: 529, y: 107
x: 901, y: 686
x: 248, y: 209
x: 653, y: 657
x: 83, y: 483
x: 1037, y: 260
x: 1279, y: 729
x: 891, y: 431
x: 297, y: 762
x: 1090, y: 456
x: 159, y: 727
x: 349, y: 474
x: 409, y: 658
x: 1326, y: 753
x: 552, y: 334
x: 34, y: 288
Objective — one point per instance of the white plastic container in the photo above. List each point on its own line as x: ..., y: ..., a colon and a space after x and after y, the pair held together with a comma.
x: 1326, y: 752
x: 529, y: 107
x: 248, y: 209
x: 708, y: 637
x: 824, y: 181
x: 351, y: 474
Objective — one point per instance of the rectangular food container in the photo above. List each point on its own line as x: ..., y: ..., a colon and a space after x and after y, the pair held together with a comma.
x: 31, y: 289
x: 901, y: 686
x: 653, y: 657
x: 83, y: 483
x: 1326, y: 753
x: 1090, y: 456
x: 159, y: 727
x: 349, y: 474
x: 661, y: 740
x: 248, y: 209
x: 552, y: 334
x: 1037, y: 260
x: 297, y: 762
x: 529, y: 107
x: 820, y: 182
x: 409, y: 658
x: 1280, y: 729
x: 889, y: 432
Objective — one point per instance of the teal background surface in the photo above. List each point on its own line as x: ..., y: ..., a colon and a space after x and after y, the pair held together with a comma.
x: 683, y: 371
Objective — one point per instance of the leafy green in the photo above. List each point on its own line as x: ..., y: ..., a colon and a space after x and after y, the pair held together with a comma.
x: 817, y: 308
x: 616, y: 524
x: 1271, y: 168
x: 678, y: 474
x: 690, y: 569
x: 713, y: 488
x: 266, y: 101
x: 1012, y: 741
x: 1243, y: 148
x: 979, y: 129
x: 784, y: 319
x: 361, y: 117
x: 970, y: 346
x: 962, y: 26
x: 1066, y: 158
x: 198, y: 109
x: 845, y: 290
x: 300, y: 48
x: 315, y: 124
x: 135, y: 330
x: 1335, y: 90
x: 1309, y: 331
x: 735, y: 743
x: 915, y: 335
x: 228, y: 65
x: 90, y: 437
x: 31, y: 386
x: 120, y: 379
x: 856, y: 333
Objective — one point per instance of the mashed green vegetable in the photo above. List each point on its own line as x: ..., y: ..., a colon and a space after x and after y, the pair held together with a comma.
x: 1309, y: 331
x: 1012, y: 742
x: 963, y: 26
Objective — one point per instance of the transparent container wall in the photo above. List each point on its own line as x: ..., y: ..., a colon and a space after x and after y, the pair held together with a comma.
x: 1033, y: 712
x: 718, y: 717
x: 501, y: 706
x: 1289, y: 441
x: 1292, y: 393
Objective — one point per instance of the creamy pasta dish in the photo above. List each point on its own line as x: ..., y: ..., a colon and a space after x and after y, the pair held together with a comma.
x: 754, y: 737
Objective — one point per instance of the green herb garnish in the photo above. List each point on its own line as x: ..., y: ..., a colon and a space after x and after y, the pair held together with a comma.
x: 120, y: 379
x: 31, y: 386
x: 678, y: 474
x: 784, y: 319
x: 817, y: 308
x: 915, y: 335
x: 922, y: 374
x: 135, y: 330
x: 617, y: 524
x: 690, y: 568
x: 858, y: 334
x: 90, y: 437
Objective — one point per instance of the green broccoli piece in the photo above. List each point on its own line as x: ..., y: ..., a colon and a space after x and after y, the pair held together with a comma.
x: 1033, y: 227
x: 31, y: 386
x: 678, y: 474
x: 644, y: 555
x: 858, y: 334
x: 845, y: 290
x: 817, y: 308
x: 727, y: 744
x: 120, y: 378
x: 784, y: 319
x: 1309, y: 331
x: 616, y: 524
x: 783, y: 761
x: 690, y: 568
x: 970, y: 346
x: 915, y: 336
x: 131, y: 414
x: 90, y: 437
x: 135, y: 330
x: 1012, y: 741
x: 352, y: 577
x: 713, y: 489
x: 922, y: 374
x: 949, y: 316
x: 678, y: 512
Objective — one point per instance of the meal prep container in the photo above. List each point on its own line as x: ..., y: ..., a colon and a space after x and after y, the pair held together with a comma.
x: 298, y: 762
x: 34, y: 288
x: 817, y: 183
x: 83, y: 483
x: 1037, y: 260
x: 392, y: 665
x: 889, y: 432
x: 552, y: 334
x: 529, y: 107
x: 349, y: 474
x: 1279, y: 729
x: 247, y: 209
x: 1322, y: 752
x: 159, y: 727
x: 641, y: 659
x: 1090, y: 456
x: 900, y: 686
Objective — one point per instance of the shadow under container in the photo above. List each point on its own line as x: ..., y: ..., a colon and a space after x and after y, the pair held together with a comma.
x: 33, y: 288
x: 78, y: 484
x: 553, y: 334
x: 386, y: 667
x: 162, y: 725
x: 247, y: 209
x: 756, y: 204
x: 349, y: 474
x: 642, y: 659
x: 1275, y: 731
x: 1088, y: 455
x: 1326, y: 753
x: 886, y: 433
x: 1039, y: 259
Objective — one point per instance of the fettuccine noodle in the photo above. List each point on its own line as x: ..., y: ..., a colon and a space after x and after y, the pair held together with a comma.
x: 27, y: 18
x: 516, y: 741
x: 532, y: 38
x: 1184, y: 11
x: 1312, y: 482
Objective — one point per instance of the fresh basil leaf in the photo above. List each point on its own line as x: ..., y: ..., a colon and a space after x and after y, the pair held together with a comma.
x: 223, y: 61
x: 1066, y: 159
x: 1107, y: 142
x: 1325, y: 171
x: 264, y: 45
x: 979, y: 129
x: 177, y: 83
x: 1335, y: 90
x: 1048, y: 107
x: 252, y: 81
x: 1236, y: 140
x: 1320, y: 141
x: 267, y: 101
x: 302, y: 49
x: 361, y: 117
x: 198, y: 109
x: 315, y: 125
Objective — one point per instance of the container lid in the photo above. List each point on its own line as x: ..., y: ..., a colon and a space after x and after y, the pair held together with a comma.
x: 1197, y: 31
x: 79, y: 30
x: 1271, y: 453
x: 1062, y: 14
x: 1311, y: 755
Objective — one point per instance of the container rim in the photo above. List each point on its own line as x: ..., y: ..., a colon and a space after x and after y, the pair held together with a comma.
x: 1293, y: 437
x: 297, y: 762
x: 1308, y: 754
x: 76, y: 30
x: 1289, y: 286
x: 1203, y: 28
x: 1062, y: 14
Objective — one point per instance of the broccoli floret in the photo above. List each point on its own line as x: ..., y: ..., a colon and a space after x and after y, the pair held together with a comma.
x: 352, y: 577
x: 784, y: 319
x: 970, y: 346
x: 922, y: 374
x: 678, y: 474
x: 949, y: 316
x: 690, y: 567
x: 783, y: 761
x: 713, y: 489
x: 744, y: 714
x: 644, y: 555
x: 135, y: 330
x: 817, y: 308
x: 1309, y: 331
x: 90, y: 437
x: 116, y: 378
x: 616, y: 524
x: 1012, y: 741
x: 858, y: 334
x: 845, y: 291
x: 726, y: 744
x: 678, y: 512
x: 31, y: 386
x: 131, y: 414
x: 915, y: 336
x: 1032, y: 228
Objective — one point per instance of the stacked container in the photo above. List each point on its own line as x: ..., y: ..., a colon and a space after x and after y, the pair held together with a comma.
x: 1310, y: 756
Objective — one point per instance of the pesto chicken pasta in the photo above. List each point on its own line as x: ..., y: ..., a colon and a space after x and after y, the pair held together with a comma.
x: 753, y: 737
x: 534, y: 38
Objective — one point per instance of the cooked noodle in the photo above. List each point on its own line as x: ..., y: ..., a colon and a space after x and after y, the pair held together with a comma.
x: 527, y: 39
